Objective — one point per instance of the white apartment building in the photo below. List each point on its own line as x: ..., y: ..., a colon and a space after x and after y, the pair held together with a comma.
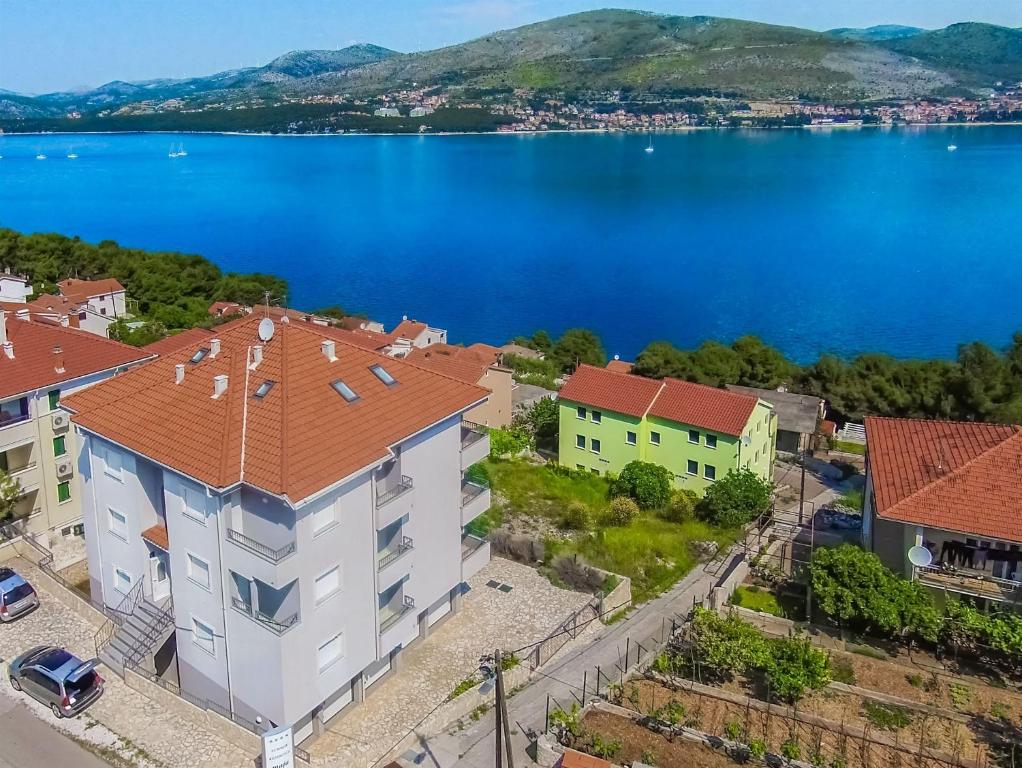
x: 40, y: 363
x: 296, y: 502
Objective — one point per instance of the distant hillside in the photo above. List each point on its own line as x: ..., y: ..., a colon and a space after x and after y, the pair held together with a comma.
x: 599, y: 51
x: 876, y: 34
x: 976, y: 54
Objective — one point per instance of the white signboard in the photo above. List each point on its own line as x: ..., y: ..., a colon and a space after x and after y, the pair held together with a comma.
x: 278, y: 748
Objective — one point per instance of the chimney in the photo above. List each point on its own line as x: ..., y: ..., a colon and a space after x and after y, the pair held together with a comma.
x: 214, y: 348
x: 65, y: 321
x: 9, y: 349
x: 219, y: 385
x: 179, y: 373
x: 257, y: 357
x: 329, y: 350
x: 3, y: 327
x: 58, y: 360
x: 23, y: 314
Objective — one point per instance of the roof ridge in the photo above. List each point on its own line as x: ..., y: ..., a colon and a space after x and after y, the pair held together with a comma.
x: 723, y: 389
x: 228, y: 402
x: 285, y: 391
x: 1015, y: 427
x: 652, y: 402
x: 955, y: 473
x: 92, y: 337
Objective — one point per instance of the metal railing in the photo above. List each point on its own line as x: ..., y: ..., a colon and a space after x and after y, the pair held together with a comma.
x: 407, y: 604
x: 276, y: 626
x: 394, y: 554
x: 471, y: 491
x: 123, y: 610
x: 11, y: 420
x: 470, y: 436
x: 258, y: 548
x: 387, y: 496
x: 991, y: 587
x: 470, y: 544
x: 154, y: 629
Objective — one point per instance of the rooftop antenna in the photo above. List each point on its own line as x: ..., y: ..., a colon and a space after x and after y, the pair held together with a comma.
x: 266, y: 298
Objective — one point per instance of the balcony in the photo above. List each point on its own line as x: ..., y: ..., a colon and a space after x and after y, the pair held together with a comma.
x: 392, y: 564
x: 276, y: 625
x: 475, y: 553
x: 258, y: 548
x: 393, y: 502
x: 393, y: 554
x: 475, y: 446
x: 966, y: 582
x: 389, y: 617
x: 475, y: 499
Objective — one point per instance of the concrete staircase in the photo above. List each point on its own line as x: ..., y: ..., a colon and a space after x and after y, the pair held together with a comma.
x: 143, y: 631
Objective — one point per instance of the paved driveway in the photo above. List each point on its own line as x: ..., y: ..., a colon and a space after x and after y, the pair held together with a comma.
x: 489, y: 619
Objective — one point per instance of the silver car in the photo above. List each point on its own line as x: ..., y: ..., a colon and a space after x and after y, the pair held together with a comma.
x: 17, y: 597
x: 57, y: 678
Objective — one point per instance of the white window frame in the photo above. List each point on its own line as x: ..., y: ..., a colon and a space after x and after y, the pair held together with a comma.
x: 190, y: 560
x: 597, y: 416
x: 656, y: 441
x: 580, y: 412
x: 118, y: 571
x: 110, y: 458
x: 631, y: 438
x: 712, y: 446
x: 688, y: 468
x: 580, y: 441
x: 692, y: 432
x: 330, y: 510
x: 211, y: 648
x: 322, y: 665
x: 595, y: 445
x: 706, y: 474
x: 198, y: 515
x: 335, y: 589
x: 110, y: 513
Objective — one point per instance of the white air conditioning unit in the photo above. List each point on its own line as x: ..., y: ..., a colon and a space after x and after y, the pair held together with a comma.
x: 65, y: 468
x: 60, y: 420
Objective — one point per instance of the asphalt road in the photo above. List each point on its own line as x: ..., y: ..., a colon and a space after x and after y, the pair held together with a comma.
x: 28, y: 742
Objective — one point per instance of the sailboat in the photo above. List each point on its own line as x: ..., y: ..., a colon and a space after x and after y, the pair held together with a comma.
x: 181, y: 151
x: 649, y: 149
x: 40, y: 156
x: 952, y: 147
x: 72, y: 155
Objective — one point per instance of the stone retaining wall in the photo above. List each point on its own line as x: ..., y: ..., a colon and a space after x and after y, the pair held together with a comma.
x: 618, y: 598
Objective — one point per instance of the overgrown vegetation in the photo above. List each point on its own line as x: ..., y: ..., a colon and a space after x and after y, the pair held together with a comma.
x: 735, y: 499
x: 648, y: 484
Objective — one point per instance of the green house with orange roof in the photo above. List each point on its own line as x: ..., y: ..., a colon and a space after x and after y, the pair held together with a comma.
x: 699, y: 433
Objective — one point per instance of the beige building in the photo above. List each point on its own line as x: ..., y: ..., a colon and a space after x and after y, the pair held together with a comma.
x: 477, y: 364
x: 41, y: 362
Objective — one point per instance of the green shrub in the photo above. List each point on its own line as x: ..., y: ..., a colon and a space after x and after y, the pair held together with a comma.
x: 621, y: 512
x: 509, y: 441
x: 735, y: 499
x: 757, y: 748
x: 648, y: 757
x: 727, y: 644
x: 888, y: 717
x: 795, y: 666
x: 915, y: 680
x: 600, y: 747
x: 578, y: 516
x: 649, y: 484
x: 681, y: 507
x: 790, y: 749
x: 841, y: 670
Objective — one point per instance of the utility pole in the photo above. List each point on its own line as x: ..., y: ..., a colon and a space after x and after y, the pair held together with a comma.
x: 501, y: 713
x: 802, y: 488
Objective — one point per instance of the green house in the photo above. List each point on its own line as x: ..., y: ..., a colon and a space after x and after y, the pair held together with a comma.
x: 699, y: 433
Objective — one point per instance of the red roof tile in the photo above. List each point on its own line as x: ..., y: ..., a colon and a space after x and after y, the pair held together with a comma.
x: 79, y: 290
x: 958, y: 476
x: 300, y: 438
x: 157, y: 535
x: 574, y: 759
x: 408, y: 329
x: 33, y: 366
x: 620, y: 366
x: 701, y: 406
x: 174, y: 342
x: 458, y: 362
x: 620, y: 392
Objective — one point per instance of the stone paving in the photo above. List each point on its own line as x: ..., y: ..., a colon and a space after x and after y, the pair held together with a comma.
x: 429, y: 671
x: 143, y: 732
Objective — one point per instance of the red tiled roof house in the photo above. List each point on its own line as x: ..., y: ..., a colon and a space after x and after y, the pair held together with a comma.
x: 610, y: 418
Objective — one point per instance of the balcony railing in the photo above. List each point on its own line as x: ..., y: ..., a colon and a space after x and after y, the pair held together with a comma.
x: 258, y: 548
x: 471, y: 436
x: 391, y: 555
x: 470, y: 491
x: 964, y: 582
x: 385, y: 497
x: 470, y: 544
x: 22, y: 468
x: 10, y: 419
x: 386, y: 622
x: 277, y: 626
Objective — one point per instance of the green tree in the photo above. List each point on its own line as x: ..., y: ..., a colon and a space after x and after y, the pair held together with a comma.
x: 795, y: 666
x: 578, y: 346
x: 543, y: 419
x: 681, y: 507
x: 648, y: 484
x: 10, y: 492
x: 726, y: 644
x: 735, y: 499
x: 761, y: 365
x: 715, y: 364
x: 661, y: 359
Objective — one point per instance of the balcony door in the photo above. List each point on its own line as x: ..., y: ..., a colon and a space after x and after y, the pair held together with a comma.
x: 159, y: 576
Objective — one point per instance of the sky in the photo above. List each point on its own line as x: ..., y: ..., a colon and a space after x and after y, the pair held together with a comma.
x: 48, y: 45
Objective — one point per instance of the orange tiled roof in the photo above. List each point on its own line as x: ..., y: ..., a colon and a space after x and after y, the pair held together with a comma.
x: 620, y: 392
x: 80, y: 290
x: 958, y: 476
x: 461, y: 363
x: 157, y: 535
x: 408, y: 329
x: 702, y: 406
x: 298, y: 439
x: 33, y: 366
x: 174, y: 342
x: 226, y: 308
x: 574, y: 759
x: 620, y: 366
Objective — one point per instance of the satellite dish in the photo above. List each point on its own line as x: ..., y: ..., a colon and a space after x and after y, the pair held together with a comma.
x: 266, y: 329
x: 920, y: 557
x: 746, y: 441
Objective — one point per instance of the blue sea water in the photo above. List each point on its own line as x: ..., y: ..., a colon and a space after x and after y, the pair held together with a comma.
x: 819, y: 241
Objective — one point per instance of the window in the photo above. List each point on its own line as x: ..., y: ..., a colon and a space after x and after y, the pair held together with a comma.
x: 327, y: 584
x: 122, y: 580
x: 202, y: 636
x: 580, y: 467
x: 117, y: 522
x: 330, y: 652
x: 654, y: 438
x: 381, y: 373
x: 63, y: 492
x: 13, y: 411
x: 263, y: 390
x: 594, y: 445
x: 54, y: 397
x: 193, y: 504
x: 323, y: 518
x: 344, y: 390
x: 597, y: 417
x: 59, y: 445
x: 759, y: 426
x: 595, y: 471
x: 199, y: 356
x: 580, y: 441
x: 693, y: 436
x: 112, y: 464
x: 693, y: 467
x: 198, y: 570
x: 709, y: 472
x: 711, y: 441
x: 581, y: 412
x: 630, y: 438
x: 756, y: 459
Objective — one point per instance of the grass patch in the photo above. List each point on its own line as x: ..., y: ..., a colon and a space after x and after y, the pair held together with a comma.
x: 848, y: 447
x: 870, y: 652
x: 757, y: 599
x: 851, y: 499
x: 886, y: 716
x: 486, y: 522
x: 841, y: 670
x: 540, y: 490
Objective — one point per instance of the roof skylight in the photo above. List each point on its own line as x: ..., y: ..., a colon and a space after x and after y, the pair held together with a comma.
x: 344, y: 390
x: 381, y: 373
x: 264, y: 389
x: 199, y: 356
